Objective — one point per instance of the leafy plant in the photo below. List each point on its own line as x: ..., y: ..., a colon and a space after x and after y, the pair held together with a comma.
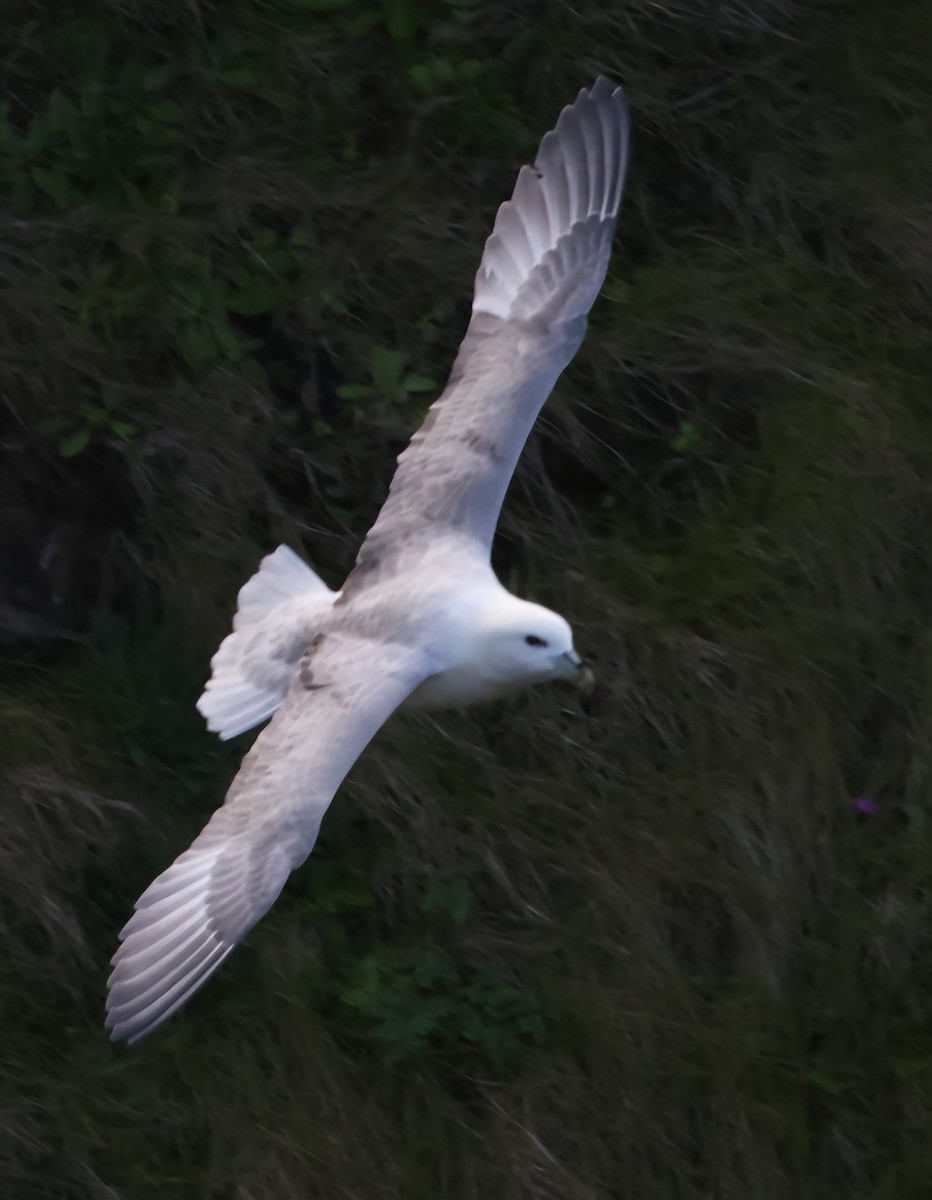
x: 392, y: 383
x: 687, y: 440
x: 418, y: 1000
x: 73, y: 437
x: 106, y: 132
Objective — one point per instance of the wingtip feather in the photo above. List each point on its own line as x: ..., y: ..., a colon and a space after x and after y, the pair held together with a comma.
x: 578, y: 175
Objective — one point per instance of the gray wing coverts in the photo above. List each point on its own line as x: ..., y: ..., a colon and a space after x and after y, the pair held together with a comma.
x: 541, y: 270
x: 198, y: 910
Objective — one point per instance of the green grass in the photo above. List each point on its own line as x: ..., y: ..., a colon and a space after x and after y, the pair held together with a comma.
x: 649, y: 951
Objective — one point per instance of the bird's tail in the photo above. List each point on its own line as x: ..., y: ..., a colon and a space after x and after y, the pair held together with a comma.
x: 254, y: 666
x: 548, y: 252
x: 282, y: 575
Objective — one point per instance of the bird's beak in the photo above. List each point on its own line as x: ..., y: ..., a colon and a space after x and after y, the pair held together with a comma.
x: 578, y: 670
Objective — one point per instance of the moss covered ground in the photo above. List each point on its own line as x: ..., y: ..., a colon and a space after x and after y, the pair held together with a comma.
x: 660, y: 949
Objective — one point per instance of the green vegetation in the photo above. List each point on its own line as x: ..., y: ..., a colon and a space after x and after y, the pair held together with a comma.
x: 649, y: 951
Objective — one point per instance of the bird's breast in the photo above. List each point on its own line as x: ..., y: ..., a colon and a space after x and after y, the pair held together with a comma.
x: 456, y: 687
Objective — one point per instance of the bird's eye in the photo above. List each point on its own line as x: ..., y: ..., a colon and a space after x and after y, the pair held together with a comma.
x: 533, y: 640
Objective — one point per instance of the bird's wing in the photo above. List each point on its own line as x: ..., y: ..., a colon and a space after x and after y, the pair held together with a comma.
x: 541, y: 271
x: 197, y: 911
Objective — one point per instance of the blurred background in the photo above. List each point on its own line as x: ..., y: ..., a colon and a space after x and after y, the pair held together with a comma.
x: 675, y: 946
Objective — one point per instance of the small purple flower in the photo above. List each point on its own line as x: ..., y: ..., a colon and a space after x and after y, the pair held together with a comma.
x: 864, y: 806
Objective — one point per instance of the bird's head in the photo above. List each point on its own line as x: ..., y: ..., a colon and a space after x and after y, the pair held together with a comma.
x: 524, y: 643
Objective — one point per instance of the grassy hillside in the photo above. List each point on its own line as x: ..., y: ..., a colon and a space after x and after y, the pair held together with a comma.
x: 655, y: 950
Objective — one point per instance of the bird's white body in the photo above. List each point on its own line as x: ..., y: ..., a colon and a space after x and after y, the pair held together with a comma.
x: 421, y: 621
x: 477, y: 658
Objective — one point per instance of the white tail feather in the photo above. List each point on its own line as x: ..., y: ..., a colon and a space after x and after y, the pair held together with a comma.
x: 276, y: 614
x: 282, y: 575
